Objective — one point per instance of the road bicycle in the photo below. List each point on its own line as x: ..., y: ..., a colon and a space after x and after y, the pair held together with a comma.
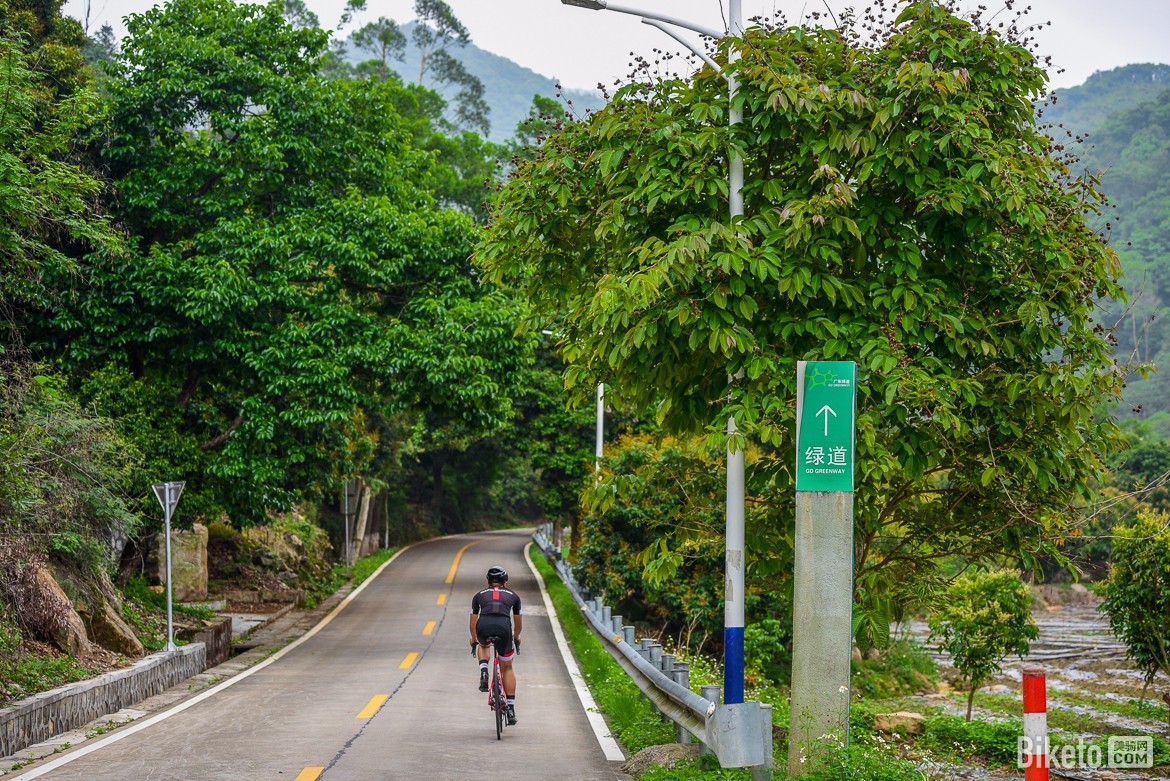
x: 497, y: 700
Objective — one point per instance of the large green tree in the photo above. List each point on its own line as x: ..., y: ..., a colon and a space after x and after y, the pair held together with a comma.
x: 48, y: 194
x: 903, y: 211
x: 289, y: 278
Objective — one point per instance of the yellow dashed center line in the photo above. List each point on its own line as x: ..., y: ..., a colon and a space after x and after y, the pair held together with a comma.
x: 458, y: 556
x: 310, y: 774
x: 372, y: 707
x: 430, y: 627
x: 408, y: 661
x: 442, y: 599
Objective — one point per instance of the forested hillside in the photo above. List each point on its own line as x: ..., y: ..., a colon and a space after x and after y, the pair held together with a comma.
x: 1126, y: 116
x: 508, y: 87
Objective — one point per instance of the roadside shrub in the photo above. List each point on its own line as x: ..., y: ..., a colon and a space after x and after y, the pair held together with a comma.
x: 862, y: 763
x: 11, y: 643
x: 994, y: 741
x: 902, y: 669
x: 221, y: 530
x: 765, y: 648
x: 987, y: 615
x: 1137, y: 593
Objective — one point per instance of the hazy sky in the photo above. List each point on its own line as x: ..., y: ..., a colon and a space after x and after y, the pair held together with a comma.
x: 582, y: 47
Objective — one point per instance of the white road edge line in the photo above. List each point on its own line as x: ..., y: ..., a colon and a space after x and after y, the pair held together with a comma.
x: 116, y: 736
x: 613, y: 751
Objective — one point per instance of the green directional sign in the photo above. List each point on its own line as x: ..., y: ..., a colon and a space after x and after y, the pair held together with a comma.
x: 826, y: 402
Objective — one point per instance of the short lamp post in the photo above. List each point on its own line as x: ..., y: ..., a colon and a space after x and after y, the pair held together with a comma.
x: 733, y: 610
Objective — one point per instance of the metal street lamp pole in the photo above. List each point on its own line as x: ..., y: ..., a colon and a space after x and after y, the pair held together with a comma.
x: 168, y: 496
x: 733, y: 603
x: 599, y: 449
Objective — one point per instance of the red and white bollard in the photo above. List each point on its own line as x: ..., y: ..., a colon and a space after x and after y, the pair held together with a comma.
x: 1033, y: 752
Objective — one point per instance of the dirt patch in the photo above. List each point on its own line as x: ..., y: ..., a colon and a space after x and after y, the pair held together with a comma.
x: 1061, y: 596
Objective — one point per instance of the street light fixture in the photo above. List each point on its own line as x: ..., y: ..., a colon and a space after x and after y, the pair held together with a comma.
x: 733, y: 603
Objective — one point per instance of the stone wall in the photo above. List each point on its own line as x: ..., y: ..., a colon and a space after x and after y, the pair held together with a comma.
x: 44, y: 715
x: 217, y: 639
x: 188, y: 562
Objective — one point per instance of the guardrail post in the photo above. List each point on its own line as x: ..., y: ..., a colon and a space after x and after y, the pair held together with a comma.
x: 656, y: 655
x: 628, y: 635
x: 766, y: 771
x: 605, y: 614
x: 616, y: 622
x: 668, y: 664
x: 709, y: 692
x: 682, y: 676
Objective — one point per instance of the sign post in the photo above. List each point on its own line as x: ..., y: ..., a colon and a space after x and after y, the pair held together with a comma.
x: 168, y: 496
x: 822, y: 641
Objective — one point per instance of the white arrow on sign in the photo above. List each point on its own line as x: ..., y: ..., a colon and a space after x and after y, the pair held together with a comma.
x: 822, y: 411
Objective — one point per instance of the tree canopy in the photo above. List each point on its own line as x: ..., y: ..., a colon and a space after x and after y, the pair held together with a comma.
x: 290, y: 272
x: 903, y: 211
x: 49, y: 209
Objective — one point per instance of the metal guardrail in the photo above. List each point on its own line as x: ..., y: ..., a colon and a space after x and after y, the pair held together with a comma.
x: 740, y: 735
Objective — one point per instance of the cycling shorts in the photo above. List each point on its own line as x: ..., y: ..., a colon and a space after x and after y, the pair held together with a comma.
x: 499, y: 627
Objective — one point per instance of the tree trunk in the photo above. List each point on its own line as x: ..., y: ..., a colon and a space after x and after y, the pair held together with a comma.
x: 971, y: 700
x: 437, y: 493
x: 386, y: 518
x: 1166, y: 699
x: 363, y: 518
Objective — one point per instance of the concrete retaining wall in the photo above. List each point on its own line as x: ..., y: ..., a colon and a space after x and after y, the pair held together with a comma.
x: 217, y: 638
x: 44, y: 715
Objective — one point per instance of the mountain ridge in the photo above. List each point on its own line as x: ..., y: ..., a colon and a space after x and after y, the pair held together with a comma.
x: 508, y: 86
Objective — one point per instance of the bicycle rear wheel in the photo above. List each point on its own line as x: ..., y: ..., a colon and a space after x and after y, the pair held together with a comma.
x: 499, y: 700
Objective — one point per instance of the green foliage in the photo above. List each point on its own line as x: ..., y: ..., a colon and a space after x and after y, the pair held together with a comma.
x: 366, y: 567
x: 1137, y: 593
x: 904, y: 211
x: 867, y: 763
x: 653, y: 542
x: 138, y: 591
x: 64, y: 475
x: 987, y: 617
x: 48, y: 211
x: 699, y: 770
x: 902, y: 669
x: 291, y: 281
x: 766, y: 650
x: 145, y: 611
x: 32, y: 673
x: 993, y: 741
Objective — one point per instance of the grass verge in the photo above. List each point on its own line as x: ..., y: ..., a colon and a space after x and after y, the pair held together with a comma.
x: 318, y: 591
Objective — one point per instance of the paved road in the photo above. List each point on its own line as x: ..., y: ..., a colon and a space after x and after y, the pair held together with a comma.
x: 387, y: 690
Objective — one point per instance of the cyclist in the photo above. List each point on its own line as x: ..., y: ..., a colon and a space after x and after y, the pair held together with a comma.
x: 493, y: 612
